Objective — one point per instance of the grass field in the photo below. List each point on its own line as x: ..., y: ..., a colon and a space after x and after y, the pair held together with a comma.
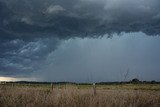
x: 42, y: 95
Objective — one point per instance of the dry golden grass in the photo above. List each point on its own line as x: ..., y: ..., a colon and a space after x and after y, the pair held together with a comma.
x: 71, y: 96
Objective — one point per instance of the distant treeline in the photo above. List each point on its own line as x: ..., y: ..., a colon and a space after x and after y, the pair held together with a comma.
x: 133, y: 81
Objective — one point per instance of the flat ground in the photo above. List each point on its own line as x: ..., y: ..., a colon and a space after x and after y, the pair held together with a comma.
x: 42, y: 95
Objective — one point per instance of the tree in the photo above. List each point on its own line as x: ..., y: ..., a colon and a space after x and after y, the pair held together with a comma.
x: 135, y: 80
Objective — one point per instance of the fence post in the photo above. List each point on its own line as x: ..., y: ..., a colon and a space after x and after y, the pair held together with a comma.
x: 12, y: 84
x: 51, y: 86
x: 94, y: 88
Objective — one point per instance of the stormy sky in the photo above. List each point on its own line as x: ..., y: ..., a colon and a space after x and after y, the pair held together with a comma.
x: 80, y: 40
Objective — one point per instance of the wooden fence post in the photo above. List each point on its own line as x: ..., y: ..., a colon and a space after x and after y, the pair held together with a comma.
x: 51, y: 86
x: 94, y: 89
x: 12, y: 84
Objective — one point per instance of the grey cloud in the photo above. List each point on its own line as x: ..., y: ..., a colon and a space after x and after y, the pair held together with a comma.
x: 102, y: 59
x: 53, y: 9
x: 31, y: 30
x: 80, y: 18
x: 20, y: 58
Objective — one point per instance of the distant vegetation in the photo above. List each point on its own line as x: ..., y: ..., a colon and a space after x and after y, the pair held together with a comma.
x: 133, y: 81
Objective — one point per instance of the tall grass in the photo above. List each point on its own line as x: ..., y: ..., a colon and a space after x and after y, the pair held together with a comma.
x: 74, y: 97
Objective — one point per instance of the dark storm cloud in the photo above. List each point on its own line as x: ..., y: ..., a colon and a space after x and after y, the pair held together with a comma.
x: 20, y: 58
x: 102, y: 59
x: 80, y: 18
x: 31, y: 29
